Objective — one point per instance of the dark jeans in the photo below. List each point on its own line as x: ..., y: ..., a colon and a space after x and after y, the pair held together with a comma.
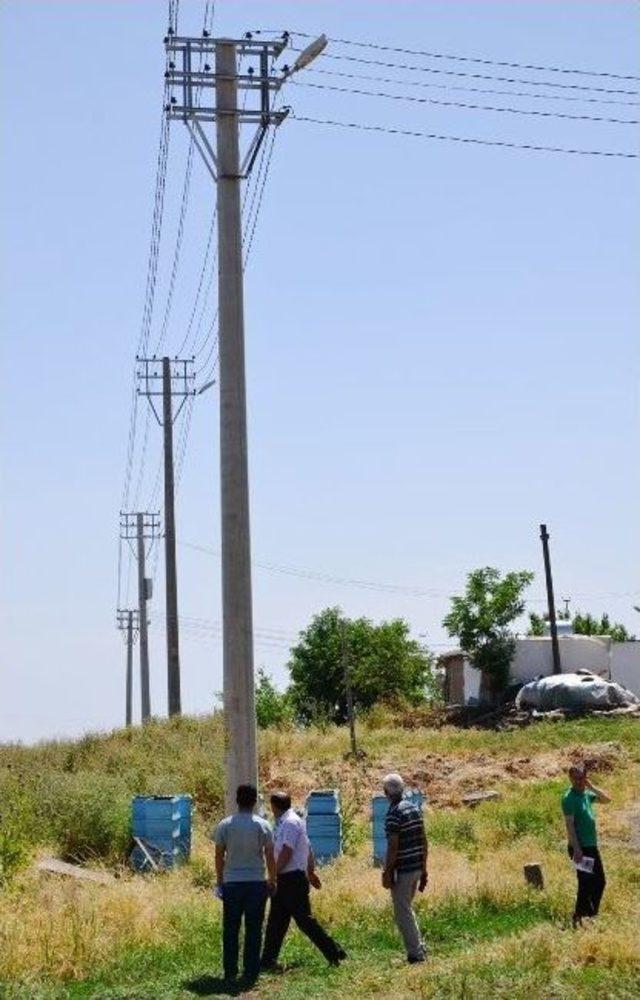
x: 292, y: 900
x: 590, y: 885
x: 248, y: 900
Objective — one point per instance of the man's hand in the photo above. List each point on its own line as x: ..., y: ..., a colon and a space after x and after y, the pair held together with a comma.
x: 577, y: 855
x: 314, y: 880
x: 424, y: 878
x: 387, y: 878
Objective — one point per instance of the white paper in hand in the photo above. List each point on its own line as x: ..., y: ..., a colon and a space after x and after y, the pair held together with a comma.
x: 586, y: 865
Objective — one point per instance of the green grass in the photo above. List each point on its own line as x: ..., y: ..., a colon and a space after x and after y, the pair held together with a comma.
x: 489, y: 936
x: 369, y: 937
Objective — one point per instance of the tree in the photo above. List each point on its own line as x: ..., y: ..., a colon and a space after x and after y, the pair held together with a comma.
x: 385, y: 664
x: 588, y: 625
x: 583, y: 625
x: 273, y: 707
x: 480, y: 621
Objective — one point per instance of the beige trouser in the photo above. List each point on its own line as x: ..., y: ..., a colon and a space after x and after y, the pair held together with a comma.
x: 403, y: 893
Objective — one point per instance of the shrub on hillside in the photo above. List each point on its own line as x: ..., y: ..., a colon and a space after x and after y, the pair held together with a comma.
x: 87, y: 815
x: 273, y: 707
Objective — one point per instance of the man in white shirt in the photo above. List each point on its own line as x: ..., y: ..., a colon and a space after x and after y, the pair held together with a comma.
x: 295, y: 871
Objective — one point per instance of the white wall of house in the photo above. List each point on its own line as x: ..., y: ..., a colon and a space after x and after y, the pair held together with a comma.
x: 625, y: 665
x: 471, y: 683
x: 534, y: 656
x: 617, y: 661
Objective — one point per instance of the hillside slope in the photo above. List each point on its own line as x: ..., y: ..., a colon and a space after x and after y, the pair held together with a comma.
x: 489, y: 935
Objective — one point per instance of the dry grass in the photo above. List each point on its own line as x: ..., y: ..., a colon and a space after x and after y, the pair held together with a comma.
x: 56, y: 932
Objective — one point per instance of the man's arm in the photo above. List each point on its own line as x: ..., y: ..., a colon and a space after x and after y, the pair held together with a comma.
x: 573, y: 837
x: 220, y: 855
x: 599, y: 794
x: 271, y: 864
x: 393, y: 841
x: 311, y: 870
x: 424, y: 875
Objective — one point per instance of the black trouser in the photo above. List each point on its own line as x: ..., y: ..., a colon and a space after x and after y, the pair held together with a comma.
x: 242, y: 900
x: 590, y: 885
x: 291, y: 899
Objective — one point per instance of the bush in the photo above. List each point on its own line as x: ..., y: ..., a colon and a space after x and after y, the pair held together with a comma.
x: 273, y: 707
x: 88, y: 815
x: 14, y: 851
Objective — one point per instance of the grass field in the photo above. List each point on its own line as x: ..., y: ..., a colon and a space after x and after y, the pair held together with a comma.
x: 158, y: 938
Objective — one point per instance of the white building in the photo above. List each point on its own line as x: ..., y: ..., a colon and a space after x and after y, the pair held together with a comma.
x: 616, y: 661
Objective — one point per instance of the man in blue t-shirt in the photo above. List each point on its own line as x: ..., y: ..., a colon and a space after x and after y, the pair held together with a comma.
x: 577, y: 806
x: 244, y: 844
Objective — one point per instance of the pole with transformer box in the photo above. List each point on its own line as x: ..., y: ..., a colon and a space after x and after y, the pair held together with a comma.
x: 206, y: 96
x: 168, y: 377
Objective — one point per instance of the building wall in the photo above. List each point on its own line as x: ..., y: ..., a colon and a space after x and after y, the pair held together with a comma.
x: 534, y: 656
x: 625, y: 665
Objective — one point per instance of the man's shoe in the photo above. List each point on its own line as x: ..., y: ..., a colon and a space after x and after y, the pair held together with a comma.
x: 339, y: 956
x: 416, y: 959
x: 271, y: 967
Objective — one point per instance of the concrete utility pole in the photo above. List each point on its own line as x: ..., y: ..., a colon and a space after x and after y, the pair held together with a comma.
x: 348, y: 689
x: 195, y: 107
x: 176, y: 376
x: 128, y: 623
x: 544, y: 536
x: 141, y: 527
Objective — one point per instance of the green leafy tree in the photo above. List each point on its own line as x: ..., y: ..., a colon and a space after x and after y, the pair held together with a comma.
x: 385, y: 664
x: 480, y: 620
x: 583, y: 625
x: 537, y: 625
x: 273, y: 707
x: 589, y: 625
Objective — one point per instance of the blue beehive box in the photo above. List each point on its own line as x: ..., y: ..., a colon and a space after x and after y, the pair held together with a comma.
x: 161, y: 825
x: 324, y: 824
x: 379, y: 809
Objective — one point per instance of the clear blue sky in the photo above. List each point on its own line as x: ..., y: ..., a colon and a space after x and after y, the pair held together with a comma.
x: 442, y: 339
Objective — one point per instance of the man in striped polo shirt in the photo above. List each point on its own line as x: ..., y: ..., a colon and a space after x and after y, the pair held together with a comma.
x: 405, y: 869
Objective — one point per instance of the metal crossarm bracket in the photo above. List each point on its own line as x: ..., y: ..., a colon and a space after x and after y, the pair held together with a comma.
x: 192, y: 91
x: 150, y: 376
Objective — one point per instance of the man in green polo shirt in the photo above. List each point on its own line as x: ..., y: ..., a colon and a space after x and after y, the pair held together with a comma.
x: 577, y: 806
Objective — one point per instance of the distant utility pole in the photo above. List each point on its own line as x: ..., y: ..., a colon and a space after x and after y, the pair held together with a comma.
x: 128, y: 623
x: 175, y: 377
x: 207, y: 96
x: 555, y: 647
x: 346, y: 666
x: 142, y: 527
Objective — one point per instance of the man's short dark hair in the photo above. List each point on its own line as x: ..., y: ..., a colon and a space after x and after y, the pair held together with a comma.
x: 246, y: 796
x: 281, y: 800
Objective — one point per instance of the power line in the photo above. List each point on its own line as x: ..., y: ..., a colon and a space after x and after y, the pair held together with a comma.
x: 461, y: 104
x: 528, y: 146
x: 475, y: 90
x: 475, y: 76
x: 328, y: 577
x: 184, y: 202
x: 473, y: 59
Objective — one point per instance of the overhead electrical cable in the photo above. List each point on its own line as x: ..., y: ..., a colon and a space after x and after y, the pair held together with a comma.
x: 474, y: 59
x: 184, y: 202
x: 473, y: 90
x: 527, y: 146
x: 475, y: 76
x: 409, y: 98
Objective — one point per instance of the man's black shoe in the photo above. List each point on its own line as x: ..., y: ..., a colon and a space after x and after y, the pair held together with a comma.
x: 339, y: 956
x: 271, y: 967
